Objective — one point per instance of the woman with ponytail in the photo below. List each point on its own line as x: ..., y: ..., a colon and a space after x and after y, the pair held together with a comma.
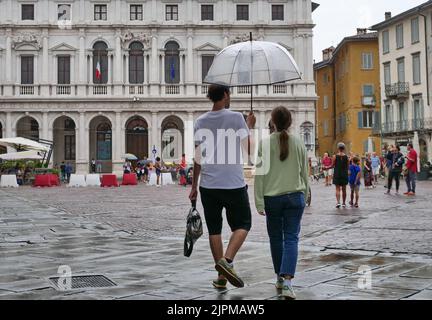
x: 281, y: 187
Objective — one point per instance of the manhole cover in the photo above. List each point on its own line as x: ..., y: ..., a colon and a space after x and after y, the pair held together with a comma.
x: 79, y: 282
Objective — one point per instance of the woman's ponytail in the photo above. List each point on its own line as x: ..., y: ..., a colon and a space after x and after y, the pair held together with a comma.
x: 282, y: 120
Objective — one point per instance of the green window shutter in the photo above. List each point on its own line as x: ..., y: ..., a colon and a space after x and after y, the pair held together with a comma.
x: 360, y: 120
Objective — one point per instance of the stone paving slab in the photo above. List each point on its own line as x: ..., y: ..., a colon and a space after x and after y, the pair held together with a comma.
x: 139, y: 246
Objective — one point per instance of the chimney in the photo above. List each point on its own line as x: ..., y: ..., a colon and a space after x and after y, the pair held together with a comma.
x: 361, y: 31
x: 388, y: 15
x: 328, y: 53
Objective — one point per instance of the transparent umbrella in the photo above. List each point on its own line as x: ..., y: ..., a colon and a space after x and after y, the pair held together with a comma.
x: 253, y: 63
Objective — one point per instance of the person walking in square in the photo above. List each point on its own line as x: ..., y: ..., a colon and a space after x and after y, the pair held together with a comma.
x: 354, y: 181
x: 397, y: 162
x: 376, y: 166
x: 68, y: 170
x: 158, y: 169
x: 63, y: 171
x: 340, y: 175
x: 327, y: 164
x: 222, y: 183
x: 281, y: 187
x: 367, y: 172
x: 412, y: 170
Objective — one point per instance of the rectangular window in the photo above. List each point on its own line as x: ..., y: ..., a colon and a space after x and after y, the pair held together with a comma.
x: 69, y: 147
x: 418, y: 109
x: 171, y: 13
x: 326, y: 128
x: 415, y: 31
x: 387, y: 74
x: 367, y: 121
x: 27, y: 12
x: 403, y: 112
x: 389, y: 113
x: 207, y: 61
x: 325, y: 79
x: 100, y: 12
x: 207, y: 12
x: 325, y: 102
x: 64, y: 12
x: 136, y: 12
x: 63, y: 69
x: 401, y: 70
x: 416, y: 69
x: 277, y: 12
x: 367, y: 61
x: 386, y: 41
x: 368, y: 90
x: 399, y: 36
x: 27, y: 69
x: 242, y: 12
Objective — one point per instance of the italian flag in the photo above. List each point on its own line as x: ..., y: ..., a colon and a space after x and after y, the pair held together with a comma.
x: 98, y: 71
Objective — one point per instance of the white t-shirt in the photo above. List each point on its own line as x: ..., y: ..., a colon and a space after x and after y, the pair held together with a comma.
x: 219, y: 135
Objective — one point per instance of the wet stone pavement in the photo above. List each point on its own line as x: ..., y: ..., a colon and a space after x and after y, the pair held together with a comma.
x: 134, y: 237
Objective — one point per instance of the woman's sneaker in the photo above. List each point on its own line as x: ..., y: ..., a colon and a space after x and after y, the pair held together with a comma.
x: 288, y: 291
x: 227, y: 270
x: 279, y: 283
x: 220, y: 283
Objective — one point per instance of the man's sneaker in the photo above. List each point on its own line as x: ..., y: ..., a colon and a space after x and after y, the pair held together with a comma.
x: 288, y: 292
x: 220, y: 283
x: 406, y: 193
x: 279, y: 283
x: 411, y: 194
x: 338, y: 206
x: 227, y: 270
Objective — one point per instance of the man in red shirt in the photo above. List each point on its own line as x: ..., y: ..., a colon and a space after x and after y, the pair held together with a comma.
x: 412, y: 170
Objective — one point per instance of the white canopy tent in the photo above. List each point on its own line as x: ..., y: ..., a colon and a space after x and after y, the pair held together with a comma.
x: 24, y: 155
x: 20, y: 144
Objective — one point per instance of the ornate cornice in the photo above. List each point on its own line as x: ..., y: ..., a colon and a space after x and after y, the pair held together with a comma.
x: 130, y: 36
x: 27, y: 38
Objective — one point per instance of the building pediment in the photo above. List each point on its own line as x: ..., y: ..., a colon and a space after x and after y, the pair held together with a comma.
x: 208, y: 47
x: 63, y: 47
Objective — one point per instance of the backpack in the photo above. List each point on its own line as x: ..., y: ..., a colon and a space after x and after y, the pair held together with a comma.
x: 194, y: 229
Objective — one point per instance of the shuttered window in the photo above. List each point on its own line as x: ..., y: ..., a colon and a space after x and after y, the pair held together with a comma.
x: 63, y: 69
x: 27, y: 65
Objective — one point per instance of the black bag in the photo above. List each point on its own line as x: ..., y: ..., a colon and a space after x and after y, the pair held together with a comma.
x: 194, y: 229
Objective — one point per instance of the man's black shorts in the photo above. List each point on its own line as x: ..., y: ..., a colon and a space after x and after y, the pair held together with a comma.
x: 236, y: 204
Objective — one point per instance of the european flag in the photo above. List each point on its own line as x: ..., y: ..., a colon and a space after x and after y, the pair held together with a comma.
x: 172, y: 69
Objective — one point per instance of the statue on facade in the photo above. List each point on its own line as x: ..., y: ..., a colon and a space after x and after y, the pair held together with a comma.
x: 241, y: 38
x: 27, y: 38
x: 129, y: 36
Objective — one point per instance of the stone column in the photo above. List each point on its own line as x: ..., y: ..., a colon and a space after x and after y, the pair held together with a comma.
x: 82, y: 62
x: 116, y: 147
x: 118, y: 64
x: 82, y: 146
x: 155, y: 140
x: 162, y: 78
x: 8, y: 124
x: 189, y: 72
x: 154, y: 64
x: 110, y: 70
x: 225, y: 38
x: 189, y: 137
x: 45, y: 126
x: 146, y: 67
x: 72, y: 69
x: 90, y: 70
x: 126, y: 81
x: 8, y: 79
x: 36, y: 70
x: 181, y: 68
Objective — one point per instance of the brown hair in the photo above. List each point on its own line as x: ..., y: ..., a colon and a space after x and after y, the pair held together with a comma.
x: 282, y: 120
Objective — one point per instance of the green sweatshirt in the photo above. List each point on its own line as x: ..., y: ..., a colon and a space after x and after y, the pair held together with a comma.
x: 274, y: 177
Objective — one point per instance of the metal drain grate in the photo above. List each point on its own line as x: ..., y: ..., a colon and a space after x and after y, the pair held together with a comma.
x: 80, y: 282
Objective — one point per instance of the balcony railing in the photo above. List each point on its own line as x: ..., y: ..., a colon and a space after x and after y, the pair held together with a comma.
x: 172, y: 89
x: 63, y: 90
x: 137, y: 89
x: 369, y: 101
x: 279, y: 89
x: 403, y: 126
x: 397, y: 90
x: 204, y: 89
x: 26, y: 90
x: 100, y: 90
x: 244, y: 90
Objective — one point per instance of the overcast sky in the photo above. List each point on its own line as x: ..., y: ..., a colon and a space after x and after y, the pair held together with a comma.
x: 336, y: 19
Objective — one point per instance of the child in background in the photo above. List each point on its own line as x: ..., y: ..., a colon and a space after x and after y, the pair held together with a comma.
x: 354, y: 181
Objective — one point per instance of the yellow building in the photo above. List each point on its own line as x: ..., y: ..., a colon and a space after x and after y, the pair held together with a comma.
x: 348, y: 86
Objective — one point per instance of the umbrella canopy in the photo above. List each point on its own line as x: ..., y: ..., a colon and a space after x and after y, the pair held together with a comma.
x: 129, y: 156
x: 24, y: 155
x: 253, y: 63
x: 19, y: 143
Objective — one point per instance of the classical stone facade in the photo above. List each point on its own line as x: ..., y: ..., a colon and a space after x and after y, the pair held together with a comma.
x: 101, y: 78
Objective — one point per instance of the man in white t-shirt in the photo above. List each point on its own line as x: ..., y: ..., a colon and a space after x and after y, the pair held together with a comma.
x: 222, y: 138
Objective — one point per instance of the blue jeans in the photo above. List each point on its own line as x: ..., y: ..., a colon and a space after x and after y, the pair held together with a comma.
x: 411, y: 181
x: 284, y: 214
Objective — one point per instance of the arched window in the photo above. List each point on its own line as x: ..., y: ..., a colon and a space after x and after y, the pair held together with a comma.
x: 100, y: 63
x: 103, y: 138
x: 136, y: 62
x: 172, y: 62
x: 306, y: 130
